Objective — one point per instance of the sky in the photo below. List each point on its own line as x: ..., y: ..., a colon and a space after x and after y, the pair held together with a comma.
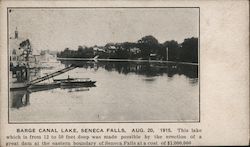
x: 57, y: 29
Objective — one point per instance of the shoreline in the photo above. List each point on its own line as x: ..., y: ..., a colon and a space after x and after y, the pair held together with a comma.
x: 125, y: 60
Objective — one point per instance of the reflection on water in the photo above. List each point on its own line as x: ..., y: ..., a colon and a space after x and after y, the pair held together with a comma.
x: 145, y: 68
x: 20, y: 98
x: 78, y: 89
x: 124, y: 92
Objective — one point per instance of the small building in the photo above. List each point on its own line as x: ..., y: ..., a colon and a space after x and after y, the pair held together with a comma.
x: 98, y: 49
x: 111, y: 49
x: 153, y: 56
x: 135, y: 50
x: 46, y: 57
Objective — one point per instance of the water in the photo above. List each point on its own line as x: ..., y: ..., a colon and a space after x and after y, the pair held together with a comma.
x: 124, y: 92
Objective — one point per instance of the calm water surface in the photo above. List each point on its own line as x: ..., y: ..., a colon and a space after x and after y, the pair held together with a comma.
x: 124, y: 91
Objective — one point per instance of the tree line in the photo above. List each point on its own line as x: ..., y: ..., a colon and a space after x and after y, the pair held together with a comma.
x: 145, y: 48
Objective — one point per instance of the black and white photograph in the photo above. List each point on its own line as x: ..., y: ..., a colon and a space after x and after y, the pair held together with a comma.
x: 103, y: 64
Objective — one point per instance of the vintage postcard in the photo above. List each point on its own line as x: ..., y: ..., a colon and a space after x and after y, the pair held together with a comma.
x: 151, y: 73
x: 103, y: 64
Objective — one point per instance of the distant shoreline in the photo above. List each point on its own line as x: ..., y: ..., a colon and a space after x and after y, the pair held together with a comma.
x: 125, y: 60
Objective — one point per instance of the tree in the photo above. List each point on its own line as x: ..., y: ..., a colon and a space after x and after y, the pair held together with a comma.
x: 173, y: 47
x: 189, y: 50
x: 109, y: 44
x: 186, y: 51
x: 27, y: 48
x: 148, y: 45
x: 148, y: 40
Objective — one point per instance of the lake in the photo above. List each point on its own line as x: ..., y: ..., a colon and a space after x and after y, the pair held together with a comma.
x: 124, y: 92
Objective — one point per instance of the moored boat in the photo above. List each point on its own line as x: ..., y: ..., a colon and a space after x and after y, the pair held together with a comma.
x: 78, y: 82
x: 69, y: 79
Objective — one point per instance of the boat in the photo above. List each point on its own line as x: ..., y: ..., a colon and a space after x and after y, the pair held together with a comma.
x: 68, y: 79
x: 62, y: 80
x: 81, y: 82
